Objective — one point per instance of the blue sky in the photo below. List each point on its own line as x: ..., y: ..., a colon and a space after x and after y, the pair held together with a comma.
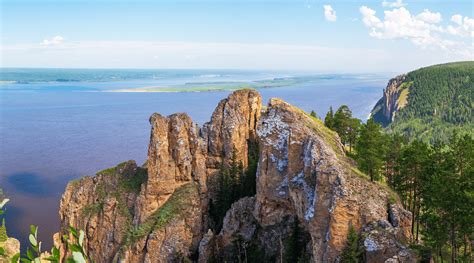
x: 286, y: 35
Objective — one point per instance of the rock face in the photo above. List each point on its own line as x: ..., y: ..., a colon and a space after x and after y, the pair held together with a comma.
x: 164, y: 216
x: 385, y: 243
x: 303, y: 172
x: 159, y: 213
x: 394, y: 98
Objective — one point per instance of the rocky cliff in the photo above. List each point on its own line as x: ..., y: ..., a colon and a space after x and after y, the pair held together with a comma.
x: 395, y: 97
x: 160, y: 212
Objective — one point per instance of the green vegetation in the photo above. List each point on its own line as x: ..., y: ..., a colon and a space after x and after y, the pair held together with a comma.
x: 232, y: 184
x: 92, y: 209
x: 353, y: 251
x: 174, y: 207
x: 439, y: 103
x: 3, y: 232
x: 34, y: 254
x: 75, y: 248
x: 3, y: 228
x: 370, y: 149
x: 435, y: 183
x: 134, y: 182
x: 344, y: 124
x: 328, y: 135
x: 295, y: 244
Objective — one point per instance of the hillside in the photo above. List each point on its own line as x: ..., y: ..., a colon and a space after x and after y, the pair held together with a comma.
x: 429, y: 103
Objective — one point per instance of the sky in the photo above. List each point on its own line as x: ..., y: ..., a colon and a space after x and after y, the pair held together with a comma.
x: 306, y: 35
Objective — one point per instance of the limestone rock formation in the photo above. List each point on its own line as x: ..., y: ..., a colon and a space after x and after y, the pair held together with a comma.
x: 303, y: 171
x: 394, y: 98
x: 166, y: 211
x: 385, y: 243
x: 159, y: 213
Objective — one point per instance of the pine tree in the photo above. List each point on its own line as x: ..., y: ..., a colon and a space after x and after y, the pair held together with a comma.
x: 392, y: 160
x: 353, y: 252
x: 341, y: 123
x: 370, y: 149
x: 329, y: 119
x: 313, y: 114
x: 353, y: 132
x: 294, y: 247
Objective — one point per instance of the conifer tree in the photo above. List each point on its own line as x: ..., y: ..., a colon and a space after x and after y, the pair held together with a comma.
x: 294, y: 246
x: 370, y: 149
x: 329, y: 119
x: 353, y: 251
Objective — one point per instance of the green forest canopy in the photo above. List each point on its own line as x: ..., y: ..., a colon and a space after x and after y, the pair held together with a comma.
x: 440, y: 102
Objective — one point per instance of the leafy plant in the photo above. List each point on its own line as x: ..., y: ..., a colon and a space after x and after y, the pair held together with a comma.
x: 35, y: 255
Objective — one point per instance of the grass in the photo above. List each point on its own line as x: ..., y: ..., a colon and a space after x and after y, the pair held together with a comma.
x: 328, y: 135
x: 403, y: 98
x: 92, y: 209
x: 174, y: 207
x: 133, y: 183
x: 318, y: 126
x: 127, y: 183
x: 108, y: 171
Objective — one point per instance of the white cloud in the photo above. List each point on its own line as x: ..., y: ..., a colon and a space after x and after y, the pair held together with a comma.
x: 464, y: 26
x: 369, y: 18
x: 57, y: 40
x: 429, y: 17
x: 398, y: 3
x: 457, y: 19
x: 422, y: 29
x: 329, y: 13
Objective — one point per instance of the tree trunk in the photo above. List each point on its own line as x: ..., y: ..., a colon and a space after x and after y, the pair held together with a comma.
x: 453, y: 245
x: 417, y: 221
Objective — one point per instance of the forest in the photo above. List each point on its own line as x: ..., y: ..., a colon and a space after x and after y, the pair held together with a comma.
x: 435, y: 182
x: 440, y: 102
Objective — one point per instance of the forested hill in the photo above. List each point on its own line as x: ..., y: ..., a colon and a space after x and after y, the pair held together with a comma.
x: 429, y: 103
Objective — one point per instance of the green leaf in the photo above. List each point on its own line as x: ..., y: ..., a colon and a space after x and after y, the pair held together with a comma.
x: 34, y: 230
x: 15, y: 258
x: 75, y: 248
x: 78, y: 257
x: 33, y: 241
x: 55, y: 252
x: 2, y: 251
x: 29, y: 254
x: 73, y: 231
x: 24, y: 260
